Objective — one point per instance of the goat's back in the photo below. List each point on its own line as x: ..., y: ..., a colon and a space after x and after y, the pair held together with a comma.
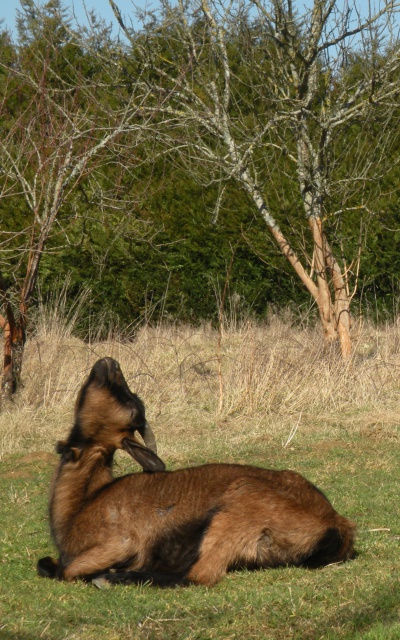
x: 197, y: 488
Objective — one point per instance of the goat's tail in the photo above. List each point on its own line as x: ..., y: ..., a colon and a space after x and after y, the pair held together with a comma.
x: 347, y: 530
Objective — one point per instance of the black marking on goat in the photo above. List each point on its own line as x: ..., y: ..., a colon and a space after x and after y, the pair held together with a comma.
x: 327, y: 547
x: 48, y: 567
x: 101, y: 375
x: 177, y: 550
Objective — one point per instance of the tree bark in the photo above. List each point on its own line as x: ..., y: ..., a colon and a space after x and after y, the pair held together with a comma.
x: 13, y: 351
x: 333, y: 306
x: 334, y: 310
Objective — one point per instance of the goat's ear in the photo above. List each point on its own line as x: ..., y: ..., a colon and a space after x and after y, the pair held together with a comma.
x: 68, y: 453
x: 61, y: 446
x: 147, y: 459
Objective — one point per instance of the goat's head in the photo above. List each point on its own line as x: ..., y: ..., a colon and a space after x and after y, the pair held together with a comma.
x: 108, y: 414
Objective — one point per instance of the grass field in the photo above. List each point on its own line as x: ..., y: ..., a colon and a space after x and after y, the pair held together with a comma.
x: 270, y: 396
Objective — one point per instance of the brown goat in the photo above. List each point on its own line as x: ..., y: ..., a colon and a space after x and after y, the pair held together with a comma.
x: 186, y: 526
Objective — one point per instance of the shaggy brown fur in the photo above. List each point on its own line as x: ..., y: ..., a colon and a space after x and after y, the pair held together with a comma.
x: 189, y: 525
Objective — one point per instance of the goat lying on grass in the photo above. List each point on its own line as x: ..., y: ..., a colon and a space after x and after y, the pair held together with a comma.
x: 174, y: 527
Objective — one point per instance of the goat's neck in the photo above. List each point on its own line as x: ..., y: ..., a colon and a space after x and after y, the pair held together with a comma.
x: 73, y: 486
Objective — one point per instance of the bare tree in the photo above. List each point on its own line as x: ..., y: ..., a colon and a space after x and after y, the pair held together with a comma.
x: 69, y: 124
x: 256, y: 87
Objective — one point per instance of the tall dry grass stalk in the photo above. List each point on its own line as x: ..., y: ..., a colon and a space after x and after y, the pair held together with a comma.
x: 276, y: 377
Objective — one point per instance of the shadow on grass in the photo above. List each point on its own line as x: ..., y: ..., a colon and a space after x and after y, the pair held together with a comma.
x: 381, y: 608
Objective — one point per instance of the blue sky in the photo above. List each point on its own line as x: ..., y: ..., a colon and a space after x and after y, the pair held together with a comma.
x: 9, y: 7
x: 102, y: 8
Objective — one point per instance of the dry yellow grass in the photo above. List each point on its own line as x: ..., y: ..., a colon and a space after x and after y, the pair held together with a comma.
x: 277, y: 380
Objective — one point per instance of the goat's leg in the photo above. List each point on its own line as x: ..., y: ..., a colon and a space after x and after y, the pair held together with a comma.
x: 98, y: 559
x: 259, y: 527
x: 156, y: 579
x: 215, y: 556
x: 232, y: 534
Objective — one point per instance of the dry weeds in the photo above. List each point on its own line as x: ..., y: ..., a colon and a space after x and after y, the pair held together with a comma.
x: 279, y: 381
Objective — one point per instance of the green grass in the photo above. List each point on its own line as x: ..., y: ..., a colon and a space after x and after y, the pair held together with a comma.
x: 359, y: 599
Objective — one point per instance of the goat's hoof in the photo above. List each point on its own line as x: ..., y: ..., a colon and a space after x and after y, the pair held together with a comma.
x: 101, y: 582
